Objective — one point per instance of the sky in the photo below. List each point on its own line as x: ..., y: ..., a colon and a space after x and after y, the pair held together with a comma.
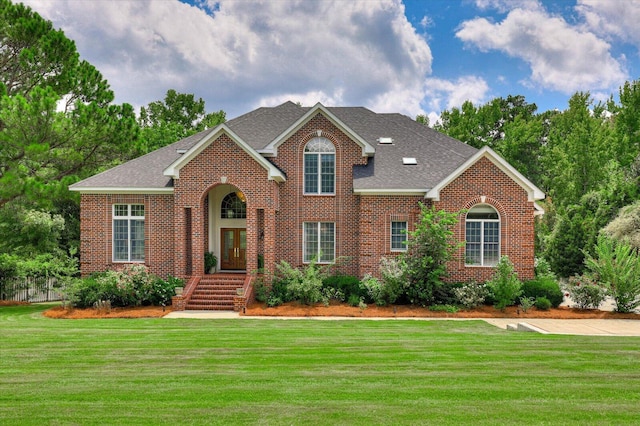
x: 412, y: 57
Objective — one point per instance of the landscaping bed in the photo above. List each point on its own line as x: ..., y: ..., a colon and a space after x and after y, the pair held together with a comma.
x: 295, y: 309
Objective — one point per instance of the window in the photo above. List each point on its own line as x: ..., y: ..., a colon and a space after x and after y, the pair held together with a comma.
x: 398, y: 236
x: 319, y: 242
x: 482, y: 236
x: 319, y: 167
x: 128, y: 233
x: 233, y: 206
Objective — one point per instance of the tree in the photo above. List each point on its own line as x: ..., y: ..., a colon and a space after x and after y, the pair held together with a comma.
x: 178, y: 116
x: 429, y: 247
x: 57, y: 120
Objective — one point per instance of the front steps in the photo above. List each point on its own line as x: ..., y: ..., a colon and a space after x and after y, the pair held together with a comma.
x: 215, y: 292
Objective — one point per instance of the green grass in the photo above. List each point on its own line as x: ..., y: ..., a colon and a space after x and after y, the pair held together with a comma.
x: 178, y: 371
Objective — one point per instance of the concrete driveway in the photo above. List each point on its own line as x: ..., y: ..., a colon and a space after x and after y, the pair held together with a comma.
x: 584, y: 327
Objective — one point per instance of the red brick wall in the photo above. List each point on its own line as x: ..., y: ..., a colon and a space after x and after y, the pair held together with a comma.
x: 297, y: 208
x: 376, y: 214
x: 96, y: 241
x: 222, y: 158
x: 484, y: 179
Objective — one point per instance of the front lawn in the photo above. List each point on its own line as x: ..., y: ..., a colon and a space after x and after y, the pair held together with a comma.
x: 179, y: 371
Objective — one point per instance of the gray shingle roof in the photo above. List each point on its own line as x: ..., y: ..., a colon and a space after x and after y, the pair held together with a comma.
x: 437, y: 155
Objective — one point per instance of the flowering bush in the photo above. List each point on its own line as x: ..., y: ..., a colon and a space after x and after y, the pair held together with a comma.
x: 585, y: 293
x: 131, y: 286
x: 471, y: 295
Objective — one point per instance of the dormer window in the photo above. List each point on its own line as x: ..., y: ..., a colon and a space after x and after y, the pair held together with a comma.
x: 319, y: 167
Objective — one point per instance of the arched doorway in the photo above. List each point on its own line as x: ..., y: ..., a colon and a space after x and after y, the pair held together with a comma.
x: 228, y: 227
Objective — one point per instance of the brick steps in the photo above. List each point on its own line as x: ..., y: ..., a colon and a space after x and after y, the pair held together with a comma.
x: 215, y: 292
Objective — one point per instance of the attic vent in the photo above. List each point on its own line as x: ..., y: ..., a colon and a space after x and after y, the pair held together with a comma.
x: 181, y: 151
x: 409, y: 160
x: 385, y: 141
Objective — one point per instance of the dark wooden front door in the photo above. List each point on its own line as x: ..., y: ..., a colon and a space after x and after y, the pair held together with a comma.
x: 234, y: 248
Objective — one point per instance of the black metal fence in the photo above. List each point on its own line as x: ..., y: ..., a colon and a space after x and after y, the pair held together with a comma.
x: 30, y: 290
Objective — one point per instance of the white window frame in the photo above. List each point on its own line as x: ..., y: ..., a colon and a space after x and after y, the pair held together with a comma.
x: 482, y: 242
x: 130, y: 217
x: 318, y: 161
x: 404, y: 234
x: 318, y: 250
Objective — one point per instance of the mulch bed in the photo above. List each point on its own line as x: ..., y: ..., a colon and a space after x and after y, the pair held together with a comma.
x: 294, y: 309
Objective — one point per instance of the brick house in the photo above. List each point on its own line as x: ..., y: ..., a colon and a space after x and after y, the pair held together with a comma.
x: 290, y: 183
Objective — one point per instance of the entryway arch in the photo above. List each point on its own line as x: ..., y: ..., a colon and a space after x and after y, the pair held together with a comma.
x: 228, y: 227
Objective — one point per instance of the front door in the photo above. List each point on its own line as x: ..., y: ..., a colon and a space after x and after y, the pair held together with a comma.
x: 234, y: 248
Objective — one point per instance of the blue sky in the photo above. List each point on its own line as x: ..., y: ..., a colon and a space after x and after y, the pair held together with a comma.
x: 413, y: 57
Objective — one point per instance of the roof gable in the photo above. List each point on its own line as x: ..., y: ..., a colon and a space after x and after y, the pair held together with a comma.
x: 272, y: 148
x: 534, y: 193
x: 173, y: 170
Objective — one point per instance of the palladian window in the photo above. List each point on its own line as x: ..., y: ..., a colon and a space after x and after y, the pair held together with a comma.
x: 233, y: 206
x: 482, y: 227
x: 319, y: 166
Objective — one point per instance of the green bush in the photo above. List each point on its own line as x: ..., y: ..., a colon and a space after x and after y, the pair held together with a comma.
x: 354, y: 300
x: 304, y: 285
x: 543, y: 303
x: 505, y: 285
x: 545, y: 286
x: 526, y: 303
x: 347, y: 284
x: 429, y: 247
x: 375, y: 290
x: 131, y: 286
x: 617, y: 266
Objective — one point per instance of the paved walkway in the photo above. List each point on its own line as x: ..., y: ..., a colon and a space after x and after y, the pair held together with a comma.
x: 583, y: 327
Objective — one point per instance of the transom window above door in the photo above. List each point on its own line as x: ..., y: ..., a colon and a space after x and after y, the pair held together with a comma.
x: 233, y: 206
x: 319, y: 167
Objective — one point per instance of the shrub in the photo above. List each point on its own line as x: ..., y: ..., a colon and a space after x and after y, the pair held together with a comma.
x: 505, y: 286
x: 347, y: 284
x: 429, y: 247
x: 303, y: 285
x: 471, y: 295
x: 617, y: 266
x: 543, y: 303
x: 375, y: 290
x: 585, y: 293
x: 261, y: 290
x: 526, y: 303
x: 131, y: 286
x: 393, y: 278
x: 544, y: 286
x: 354, y: 300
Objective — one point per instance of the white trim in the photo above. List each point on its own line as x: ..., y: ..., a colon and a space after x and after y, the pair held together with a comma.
x: 121, y: 191
x: 272, y: 148
x: 405, y: 191
x: 406, y: 231
x: 174, y: 168
x: 129, y: 218
x: 482, y: 235
x: 533, y: 191
x: 538, y: 210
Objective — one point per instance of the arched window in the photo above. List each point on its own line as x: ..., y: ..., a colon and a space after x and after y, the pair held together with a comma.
x: 482, y: 227
x: 319, y: 166
x: 233, y: 206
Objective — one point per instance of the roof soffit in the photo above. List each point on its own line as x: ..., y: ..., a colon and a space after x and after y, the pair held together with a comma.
x: 272, y: 148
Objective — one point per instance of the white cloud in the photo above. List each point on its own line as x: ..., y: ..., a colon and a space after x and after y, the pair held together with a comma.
x: 561, y: 57
x: 239, y: 54
x: 617, y: 19
x: 446, y: 94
